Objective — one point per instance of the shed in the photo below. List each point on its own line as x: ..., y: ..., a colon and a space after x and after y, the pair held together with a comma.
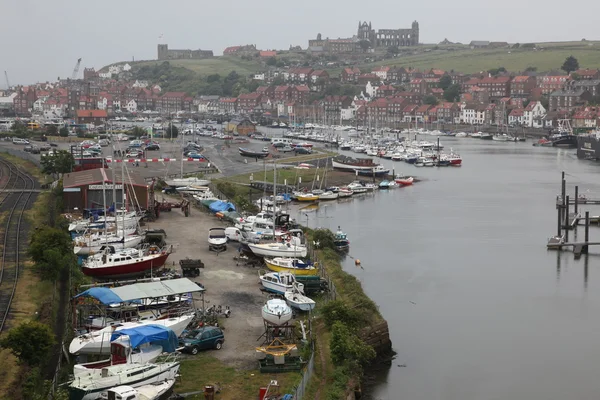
x: 242, y: 126
x: 94, y: 188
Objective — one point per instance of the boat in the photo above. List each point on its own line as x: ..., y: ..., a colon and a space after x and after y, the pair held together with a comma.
x: 276, y: 312
x: 88, y: 244
x: 153, y: 391
x: 564, y: 136
x: 544, y: 142
x: 345, y: 192
x: 280, y: 282
x: 178, y: 182
x: 253, y: 154
x: 454, y: 159
x: 98, y: 342
x: 193, y: 189
x: 307, y: 197
x: 353, y: 164
x: 124, y: 218
x: 384, y: 185
x: 293, y: 265
x: 114, y: 264
x: 340, y: 240
x: 283, y: 249
x: 405, y: 181
x: 328, y: 195
x: 217, y: 240
x: 485, y: 136
x: 297, y: 300
x: 501, y: 137
x: 97, y: 382
x: 588, y: 146
x: 377, y: 171
x: 357, y: 187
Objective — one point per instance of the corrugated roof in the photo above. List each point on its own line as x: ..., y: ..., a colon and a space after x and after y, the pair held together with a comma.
x: 148, y: 290
x: 100, y: 175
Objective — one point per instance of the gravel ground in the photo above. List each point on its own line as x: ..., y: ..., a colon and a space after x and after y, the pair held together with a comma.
x: 226, y: 284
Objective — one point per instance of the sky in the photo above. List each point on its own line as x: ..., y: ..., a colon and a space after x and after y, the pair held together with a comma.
x: 41, y: 40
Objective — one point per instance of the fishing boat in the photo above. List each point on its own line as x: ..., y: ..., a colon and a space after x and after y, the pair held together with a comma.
x: 404, y: 181
x: 340, y: 240
x: 92, y: 243
x: 98, y: 342
x: 153, y: 391
x: 353, y: 164
x: 276, y: 312
x: 280, y: 282
x: 377, y: 171
x: 253, y: 154
x: 217, y: 240
x: 297, y: 300
x: 97, y: 382
x: 454, y: 159
x: 115, y: 264
x: 384, y: 184
x: 293, y: 265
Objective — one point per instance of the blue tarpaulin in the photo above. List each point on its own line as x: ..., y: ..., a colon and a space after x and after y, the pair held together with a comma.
x: 221, y: 206
x: 156, y: 334
x: 104, y: 295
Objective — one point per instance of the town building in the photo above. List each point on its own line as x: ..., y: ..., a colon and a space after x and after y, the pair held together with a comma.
x: 384, y: 38
x: 568, y: 100
x: 96, y: 117
x: 164, y: 53
x: 522, y: 86
x: 241, y: 126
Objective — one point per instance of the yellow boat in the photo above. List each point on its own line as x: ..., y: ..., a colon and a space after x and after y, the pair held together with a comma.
x: 292, y: 265
x: 307, y: 197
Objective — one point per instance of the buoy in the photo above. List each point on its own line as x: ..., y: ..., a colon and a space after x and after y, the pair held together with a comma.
x: 357, y: 262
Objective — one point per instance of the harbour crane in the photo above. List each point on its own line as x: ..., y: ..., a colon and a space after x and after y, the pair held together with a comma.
x: 76, y: 69
x: 7, y: 82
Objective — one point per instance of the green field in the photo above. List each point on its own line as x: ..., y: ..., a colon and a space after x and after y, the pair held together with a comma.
x: 222, y: 65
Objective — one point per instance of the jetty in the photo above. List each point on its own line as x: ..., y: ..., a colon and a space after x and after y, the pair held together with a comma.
x: 568, y: 220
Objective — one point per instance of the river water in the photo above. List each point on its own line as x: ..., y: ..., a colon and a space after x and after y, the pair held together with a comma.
x: 477, y: 307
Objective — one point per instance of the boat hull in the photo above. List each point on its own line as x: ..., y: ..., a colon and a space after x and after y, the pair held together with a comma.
x: 126, y: 270
x: 253, y: 154
x: 352, y: 167
x: 293, y: 300
x: 276, y: 312
x: 278, y: 251
x: 568, y: 141
x: 83, y: 249
x: 296, y: 271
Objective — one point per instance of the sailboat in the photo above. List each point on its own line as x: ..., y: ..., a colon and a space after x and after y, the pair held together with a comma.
x: 328, y: 194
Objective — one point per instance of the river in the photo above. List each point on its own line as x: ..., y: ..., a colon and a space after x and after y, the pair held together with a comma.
x: 477, y: 307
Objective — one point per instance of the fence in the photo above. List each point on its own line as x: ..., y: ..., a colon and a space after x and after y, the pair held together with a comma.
x: 20, y: 154
x: 307, y: 374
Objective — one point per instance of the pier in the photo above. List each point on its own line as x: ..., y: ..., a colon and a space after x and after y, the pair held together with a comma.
x: 568, y: 220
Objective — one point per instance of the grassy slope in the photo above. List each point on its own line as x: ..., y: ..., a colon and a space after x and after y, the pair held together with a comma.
x: 461, y: 59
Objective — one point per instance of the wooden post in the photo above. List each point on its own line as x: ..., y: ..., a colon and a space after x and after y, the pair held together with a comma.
x: 558, y: 212
x: 563, y: 193
x: 567, y: 220
x: 576, y: 197
x: 586, y: 237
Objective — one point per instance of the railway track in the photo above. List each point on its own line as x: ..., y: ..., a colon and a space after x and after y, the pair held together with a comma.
x: 15, y: 204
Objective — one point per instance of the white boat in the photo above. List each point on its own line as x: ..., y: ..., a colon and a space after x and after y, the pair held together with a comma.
x: 88, y: 244
x: 123, y: 218
x: 328, y: 196
x: 299, y: 301
x: 179, y: 182
x: 345, y: 192
x: 461, y: 134
x: 98, y: 342
x: 116, y: 264
x: 99, y: 381
x: 276, y: 312
x: 357, y: 187
x: 154, y: 391
x: 193, y: 189
x: 280, y: 282
x: 288, y: 247
x: 501, y: 137
x: 217, y: 240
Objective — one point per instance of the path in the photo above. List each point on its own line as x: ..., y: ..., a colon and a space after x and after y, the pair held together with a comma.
x: 320, y: 348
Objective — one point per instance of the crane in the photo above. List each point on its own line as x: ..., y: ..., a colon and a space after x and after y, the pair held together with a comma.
x: 7, y: 82
x: 76, y: 69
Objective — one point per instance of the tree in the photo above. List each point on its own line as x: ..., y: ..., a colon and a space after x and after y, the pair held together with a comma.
x: 45, y: 238
x: 63, y: 132
x: 346, y: 347
x: 393, y: 50
x: 271, y: 61
x: 137, y: 131
x: 60, y: 162
x: 445, y: 82
x: 19, y: 128
x: 213, y: 78
x: 172, y: 131
x: 364, y: 45
x: 530, y: 69
x: 575, y: 76
x: 430, y: 100
x: 278, y: 80
x: 571, y: 64
x: 31, y: 342
x: 52, y: 130
x: 452, y: 93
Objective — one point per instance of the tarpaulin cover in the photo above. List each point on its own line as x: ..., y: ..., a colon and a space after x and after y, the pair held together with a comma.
x: 156, y: 334
x: 103, y: 295
x: 221, y: 206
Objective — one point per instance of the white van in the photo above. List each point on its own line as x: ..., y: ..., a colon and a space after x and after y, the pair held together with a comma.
x: 20, y: 141
x: 233, y: 234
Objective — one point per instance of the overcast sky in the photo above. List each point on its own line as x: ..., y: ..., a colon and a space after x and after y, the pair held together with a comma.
x: 41, y: 40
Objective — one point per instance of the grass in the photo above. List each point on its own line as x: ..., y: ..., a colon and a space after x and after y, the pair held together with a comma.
x: 204, y: 369
x: 25, y: 165
x: 222, y: 65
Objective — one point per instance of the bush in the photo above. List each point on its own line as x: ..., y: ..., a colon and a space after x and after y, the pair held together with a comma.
x: 31, y: 342
x: 337, y: 311
x: 325, y: 239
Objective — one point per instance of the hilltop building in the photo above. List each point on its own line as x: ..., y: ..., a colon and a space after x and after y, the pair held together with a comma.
x: 389, y: 37
x: 164, y: 53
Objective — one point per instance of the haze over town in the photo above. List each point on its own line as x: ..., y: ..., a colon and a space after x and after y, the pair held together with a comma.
x: 52, y: 38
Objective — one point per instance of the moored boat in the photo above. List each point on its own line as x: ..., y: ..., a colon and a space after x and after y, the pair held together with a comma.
x: 340, y: 240
x: 353, y: 164
x: 115, y: 264
x: 405, y: 181
x: 384, y: 184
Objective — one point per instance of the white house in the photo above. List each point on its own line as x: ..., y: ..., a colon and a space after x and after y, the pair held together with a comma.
x: 472, y: 114
x: 203, y: 106
x: 259, y: 77
x: 381, y: 72
x: 347, y: 113
x: 131, y: 106
x: 38, y: 105
x: 281, y: 109
x: 517, y: 117
x: 533, y: 114
x: 117, y: 104
x: 105, y: 75
x: 126, y: 67
x: 371, y: 90
x: 115, y: 69
x: 140, y: 84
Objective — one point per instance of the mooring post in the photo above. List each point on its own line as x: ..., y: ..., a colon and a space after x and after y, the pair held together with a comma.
x: 563, y: 193
x: 558, y: 213
x: 587, y: 227
x: 567, y: 220
x: 576, y: 198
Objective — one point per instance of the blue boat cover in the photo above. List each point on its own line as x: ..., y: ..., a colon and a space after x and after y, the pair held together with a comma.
x: 220, y: 205
x: 104, y: 295
x: 156, y: 334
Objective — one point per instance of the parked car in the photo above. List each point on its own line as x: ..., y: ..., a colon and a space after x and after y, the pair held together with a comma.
x: 153, y: 146
x: 45, y: 147
x: 32, y: 149
x: 20, y: 141
x: 207, y: 337
x: 195, y: 155
x: 302, y: 150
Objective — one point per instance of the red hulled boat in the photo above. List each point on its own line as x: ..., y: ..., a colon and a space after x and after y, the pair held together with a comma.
x: 122, y: 264
x: 405, y: 181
